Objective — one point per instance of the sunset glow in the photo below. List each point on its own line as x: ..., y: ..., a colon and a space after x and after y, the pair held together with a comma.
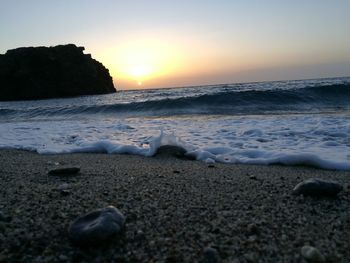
x: 141, y: 61
x: 183, y: 43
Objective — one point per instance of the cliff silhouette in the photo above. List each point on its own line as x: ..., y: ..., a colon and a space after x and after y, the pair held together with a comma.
x: 51, y: 72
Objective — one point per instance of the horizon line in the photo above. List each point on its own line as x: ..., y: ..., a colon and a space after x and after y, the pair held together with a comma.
x: 230, y: 83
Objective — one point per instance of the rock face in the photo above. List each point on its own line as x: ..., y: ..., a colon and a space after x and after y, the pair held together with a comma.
x: 51, y: 72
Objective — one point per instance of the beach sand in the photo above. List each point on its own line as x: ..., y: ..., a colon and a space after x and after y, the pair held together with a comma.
x: 176, y: 210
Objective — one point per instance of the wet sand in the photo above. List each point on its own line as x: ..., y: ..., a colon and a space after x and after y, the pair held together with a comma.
x: 175, y: 209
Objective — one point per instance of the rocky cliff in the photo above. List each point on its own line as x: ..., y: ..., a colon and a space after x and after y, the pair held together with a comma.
x: 51, y: 72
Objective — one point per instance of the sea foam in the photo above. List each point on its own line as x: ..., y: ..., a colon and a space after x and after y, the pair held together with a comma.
x: 321, y: 141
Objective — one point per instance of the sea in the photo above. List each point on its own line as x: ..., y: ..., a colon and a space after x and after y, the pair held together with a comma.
x: 299, y: 122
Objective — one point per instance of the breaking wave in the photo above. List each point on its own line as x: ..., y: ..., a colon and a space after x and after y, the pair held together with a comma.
x: 224, y: 101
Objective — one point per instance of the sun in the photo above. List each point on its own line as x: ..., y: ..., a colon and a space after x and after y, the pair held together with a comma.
x: 140, y: 69
x: 140, y: 60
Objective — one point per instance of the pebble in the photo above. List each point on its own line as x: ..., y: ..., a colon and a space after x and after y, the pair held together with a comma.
x: 65, y: 192
x: 211, y: 255
x: 139, y: 235
x: 347, y: 188
x: 209, y: 161
x: 2, y: 216
x: 63, y: 258
x: 96, y: 227
x: 64, y: 171
x: 55, y: 163
x: 250, y: 257
x: 62, y: 187
x: 317, y: 187
x: 252, y: 228
x: 171, y: 150
x: 312, y: 254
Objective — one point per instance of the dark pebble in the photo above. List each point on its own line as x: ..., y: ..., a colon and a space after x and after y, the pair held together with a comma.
x: 65, y: 171
x: 65, y: 192
x: 139, y: 235
x: 211, y: 165
x: 171, y: 150
x: 4, y: 218
x: 317, y: 187
x: 347, y: 188
x: 211, y: 255
x: 96, y: 227
x: 252, y: 229
x: 176, y: 172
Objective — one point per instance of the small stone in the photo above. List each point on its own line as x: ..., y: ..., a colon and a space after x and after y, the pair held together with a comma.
x: 209, y: 161
x: 171, y: 150
x: 252, y: 177
x: 312, y: 254
x: 252, y: 228
x: 250, y: 257
x: 252, y: 239
x: 176, y: 171
x: 211, y: 165
x: 211, y: 255
x: 65, y: 192
x: 64, y: 186
x: 139, y: 235
x: 317, y: 187
x: 54, y: 163
x: 63, y: 258
x: 96, y: 227
x: 347, y: 188
x: 65, y: 171
x: 2, y: 216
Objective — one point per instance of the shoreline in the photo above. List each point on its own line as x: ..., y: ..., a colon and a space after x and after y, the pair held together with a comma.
x: 174, y: 209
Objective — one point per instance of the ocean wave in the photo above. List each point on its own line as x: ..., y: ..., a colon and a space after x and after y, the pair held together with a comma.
x: 235, y: 102
x: 223, y: 101
x: 6, y: 112
x: 239, y: 133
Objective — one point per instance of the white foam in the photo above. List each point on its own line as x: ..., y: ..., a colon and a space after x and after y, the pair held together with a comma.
x: 321, y: 140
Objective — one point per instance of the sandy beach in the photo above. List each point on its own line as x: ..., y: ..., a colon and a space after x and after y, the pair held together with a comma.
x: 176, y: 210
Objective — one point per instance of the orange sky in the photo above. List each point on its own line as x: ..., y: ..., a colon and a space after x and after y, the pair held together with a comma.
x: 151, y: 61
x: 157, y: 43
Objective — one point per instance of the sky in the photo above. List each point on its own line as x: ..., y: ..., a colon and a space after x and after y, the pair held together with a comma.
x: 163, y: 43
